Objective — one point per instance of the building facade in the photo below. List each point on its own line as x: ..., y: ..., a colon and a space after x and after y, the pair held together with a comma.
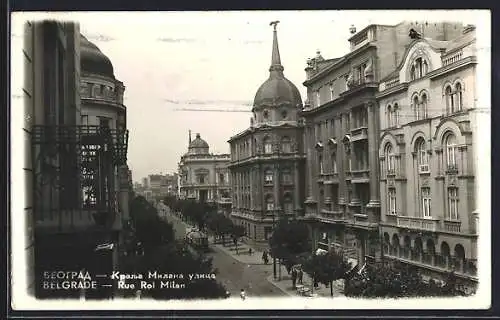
x: 102, y: 105
x: 73, y: 219
x: 342, y: 137
x: 427, y: 157
x: 204, y: 176
x: 267, y: 159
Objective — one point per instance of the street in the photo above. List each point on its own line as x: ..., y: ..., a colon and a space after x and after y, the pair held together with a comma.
x: 234, y: 274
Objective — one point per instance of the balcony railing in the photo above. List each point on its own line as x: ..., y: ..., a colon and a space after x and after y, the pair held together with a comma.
x: 451, y: 226
x: 457, y: 56
x: 418, y: 223
x: 360, y: 176
x: 360, y: 133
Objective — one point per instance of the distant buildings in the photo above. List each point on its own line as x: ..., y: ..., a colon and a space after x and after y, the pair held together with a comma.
x: 205, y: 176
x: 267, y: 159
x: 158, y: 186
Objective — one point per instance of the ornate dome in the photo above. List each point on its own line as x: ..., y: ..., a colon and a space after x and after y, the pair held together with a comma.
x: 277, y: 89
x: 92, y: 60
x: 198, y: 145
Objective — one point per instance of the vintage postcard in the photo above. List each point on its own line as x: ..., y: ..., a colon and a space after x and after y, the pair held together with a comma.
x: 251, y: 160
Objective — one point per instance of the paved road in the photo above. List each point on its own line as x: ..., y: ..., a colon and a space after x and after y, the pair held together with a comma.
x: 234, y: 274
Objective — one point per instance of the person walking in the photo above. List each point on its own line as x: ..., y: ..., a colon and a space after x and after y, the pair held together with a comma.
x: 300, y: 275
x: 243, y: 294
x: 265, y: 258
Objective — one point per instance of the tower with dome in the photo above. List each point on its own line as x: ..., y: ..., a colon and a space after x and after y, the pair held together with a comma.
x: 267, y: 159
x: 204, y: 176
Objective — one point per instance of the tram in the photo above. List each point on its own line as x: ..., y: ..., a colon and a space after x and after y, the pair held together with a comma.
x: 198, y: 240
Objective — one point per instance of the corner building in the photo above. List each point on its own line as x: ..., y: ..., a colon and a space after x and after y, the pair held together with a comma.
x: 267, y: 159
x: 204, y: 176
x: 342, y: 137
x: 427, y: 158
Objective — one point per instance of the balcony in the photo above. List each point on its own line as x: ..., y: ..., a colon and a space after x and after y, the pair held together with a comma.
x: 360, y: 133
x: 332, y: 215
x: 452, y: 58
x: 418, y: 223
x: 360, y: 176
x: 224, y: 200
x: 451, y: 226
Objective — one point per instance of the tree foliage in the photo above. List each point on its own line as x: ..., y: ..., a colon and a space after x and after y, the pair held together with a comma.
x: 326, y: 268
x: 289, y: 239
x: 384, y: 280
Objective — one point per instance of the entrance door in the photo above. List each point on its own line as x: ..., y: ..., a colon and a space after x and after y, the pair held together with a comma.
x: 203, y: 196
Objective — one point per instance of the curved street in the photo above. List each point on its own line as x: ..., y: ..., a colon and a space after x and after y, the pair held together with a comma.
x: 234, y: 274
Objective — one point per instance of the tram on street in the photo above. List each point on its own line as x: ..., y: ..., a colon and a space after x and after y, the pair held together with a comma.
x: 198, y: 240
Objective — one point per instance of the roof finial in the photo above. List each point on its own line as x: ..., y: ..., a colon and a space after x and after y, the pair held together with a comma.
x: 189, y: 136
x: 275, y: 59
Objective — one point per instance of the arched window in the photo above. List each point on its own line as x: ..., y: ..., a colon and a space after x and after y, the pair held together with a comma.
x: 389, y: 158
x: 334, y: 162
x: 453, y: 204
x: 268, y: 147
x: 423, y: 111
x: 458, y: 93
x: 451, y: 151
x: 286, y: 145
x: 413, y: 74
x: 422, y: 155
x: 416, y: 108
x: 450, y: 107
x: 418, y: 66
x: 395, y: 114
x: 389, y: 116
x: 269, y: 202
x: 425, y: 68
x: 391, y: 201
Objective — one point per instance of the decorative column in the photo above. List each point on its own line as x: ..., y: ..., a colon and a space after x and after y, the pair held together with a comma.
x: 276, y: 185
x: 252, y: 188
x: 298, y: 207
x: 373, y: 207
x: 309, y: 167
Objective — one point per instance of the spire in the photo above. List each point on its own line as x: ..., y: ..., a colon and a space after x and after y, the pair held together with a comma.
x: 276, y: 66
x: 189, y: 136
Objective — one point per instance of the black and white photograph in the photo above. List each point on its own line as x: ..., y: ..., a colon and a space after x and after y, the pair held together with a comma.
x: 320, y: 159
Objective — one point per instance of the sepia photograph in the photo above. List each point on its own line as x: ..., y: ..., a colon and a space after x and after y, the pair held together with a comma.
x: 251, y: 160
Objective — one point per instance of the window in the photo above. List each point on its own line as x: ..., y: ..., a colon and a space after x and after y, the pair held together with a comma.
x: 416, y: 108
x: 334, y: 162
x: 286, y: 176
x: 286, y: 145
x: 426, y: 202
x: 104, y: 122
x: 265, y: 114
x: 413, y: 74
x: 320, y: 164
x: 346, y: 80
x: 95, y: 90
x: 423, y: 112
x: 267, y: 232
x: 395, y: 114
x: 221, y: 178
x: 318, y: 98
x: 85, y: 120
x: 332, y: 92
x: 451, y: 151
x: 453, y: 203
x: 419, y: 67
x: 389, y: 158
x: 458, y: 94
x: 422, y: 156
x: 349, y: 164
x: 201, y: 179
x: 268, y: 148
x: 391, y: 201
x: 268, y: 177
x: 389, y: 116
x: 426, y: 68
x: 269, y: 203
x: 450, y: 105
x: 288, y: 204
x: 284, y: 114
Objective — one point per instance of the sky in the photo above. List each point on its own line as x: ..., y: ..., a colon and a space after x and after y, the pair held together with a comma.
x: 173, y: 60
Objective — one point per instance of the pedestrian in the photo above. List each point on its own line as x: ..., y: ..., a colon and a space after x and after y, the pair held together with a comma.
x: 249, y: 251
x: 294, y: 277
x: 243, y: 294
x: 265, y: 258
x: 300, y: 275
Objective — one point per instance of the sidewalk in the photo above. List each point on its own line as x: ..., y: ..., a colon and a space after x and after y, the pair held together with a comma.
x: 285, y: 285
x: 243, y: 256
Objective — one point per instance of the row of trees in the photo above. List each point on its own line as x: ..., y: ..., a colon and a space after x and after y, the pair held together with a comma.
x: 205, y: 216
x: 162, y: 253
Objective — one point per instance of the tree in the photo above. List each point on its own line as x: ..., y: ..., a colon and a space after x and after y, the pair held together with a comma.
x: 289, y: 239
x: 327, y: 268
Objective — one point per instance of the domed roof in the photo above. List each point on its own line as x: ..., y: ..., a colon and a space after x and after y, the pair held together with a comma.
x: 198, y: 143
x: 277, y: 89
x: 92, y: 60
